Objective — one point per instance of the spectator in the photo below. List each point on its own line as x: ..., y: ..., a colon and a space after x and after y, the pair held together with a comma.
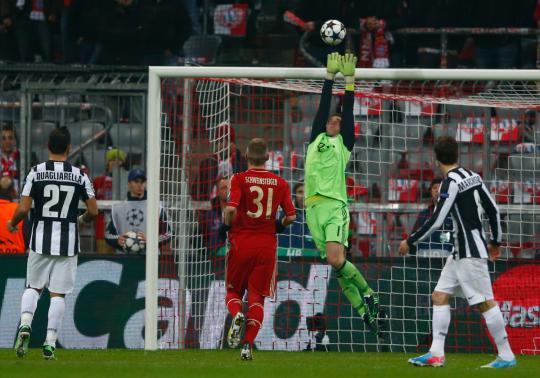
x: 528, y: 127
x: 131, y: 215
x: 164, y: 26
x: 441, y: 241
x: 7, y: 48
x: 103, y: 186
x: 9, y: 155
x: 214, y: 217
x: 85, y: 29
x: 378, y: 47
x: 9, y: 242
x: 227, y: 159
x: 499, y: 51
x: 297, y: 235
x: 120, y: 32
x: 33, y: 21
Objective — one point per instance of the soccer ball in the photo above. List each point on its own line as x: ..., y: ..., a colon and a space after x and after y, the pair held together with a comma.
x: 133, y: 244
x: 333, y: 32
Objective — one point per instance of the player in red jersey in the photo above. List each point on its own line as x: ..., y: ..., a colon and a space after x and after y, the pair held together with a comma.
x: 250, y: 219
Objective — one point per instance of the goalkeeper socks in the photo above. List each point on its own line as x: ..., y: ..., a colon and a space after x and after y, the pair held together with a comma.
x: 234, y: 303
x: 353, y: 275
x: 353, y: 295
x: 28, y: 306
x: 495, y: 324
x: 56, y: 314
x: 255, y: 317
x: 441, y: 322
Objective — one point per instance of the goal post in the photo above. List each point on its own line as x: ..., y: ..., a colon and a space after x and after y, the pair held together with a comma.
x: 397, y: 113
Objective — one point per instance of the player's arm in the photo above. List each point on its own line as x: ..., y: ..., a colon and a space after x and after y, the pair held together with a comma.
x: 25, y: 204
x: 347, y: 68
x: 235, y: 195
x: 323, y: 112
x: 288, y: 209
x: 89, y: 198
x: 447, y: 197
x: 494, y: 217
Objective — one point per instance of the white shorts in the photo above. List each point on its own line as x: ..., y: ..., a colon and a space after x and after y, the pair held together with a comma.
x: 57, y: 273
x: 466, y: 278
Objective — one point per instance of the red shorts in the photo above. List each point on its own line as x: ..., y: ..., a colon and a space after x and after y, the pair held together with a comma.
x: 252, y: 264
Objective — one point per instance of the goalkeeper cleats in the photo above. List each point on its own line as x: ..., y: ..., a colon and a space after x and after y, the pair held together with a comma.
x: 246, y: 354
x: 48, y: 352
x: 499, y: 363
x: 235, y: 332
x: 22, y: 341
x: 371, y: 323
x: 427, y: 359
x: 372, y: 303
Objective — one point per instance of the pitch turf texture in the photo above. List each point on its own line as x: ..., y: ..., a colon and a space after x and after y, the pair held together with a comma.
x: 226, y: 363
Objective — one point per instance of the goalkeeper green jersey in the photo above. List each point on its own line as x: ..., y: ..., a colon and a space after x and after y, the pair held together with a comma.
x: 327, y: 156
x: 326, y: 160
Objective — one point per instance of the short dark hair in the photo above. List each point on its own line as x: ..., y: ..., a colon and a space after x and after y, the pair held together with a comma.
x: 257, y: 151
x: 446, y: 150
x: 6, y: 186
x: 59, y: 140
x: 435, y: 181
x: 7, y: 126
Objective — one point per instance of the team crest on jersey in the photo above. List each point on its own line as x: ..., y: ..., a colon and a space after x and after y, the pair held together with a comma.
x: 323, y: 145
x: 135, y: 217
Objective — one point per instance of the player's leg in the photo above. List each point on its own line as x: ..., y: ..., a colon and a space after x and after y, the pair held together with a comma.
x: 261, y: 284
x: 475, y: 283
x: 62, y: 281
x: 37, y: 277
x: 495, y: 324
x: 255, y: 317
x: 236, y: 283
x: 57, y: 309
x: 446, y: 287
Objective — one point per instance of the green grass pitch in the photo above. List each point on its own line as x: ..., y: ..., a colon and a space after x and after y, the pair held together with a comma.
x: 118, y: 363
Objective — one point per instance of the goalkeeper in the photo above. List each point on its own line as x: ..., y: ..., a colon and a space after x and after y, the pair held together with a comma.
x: 330, y: 146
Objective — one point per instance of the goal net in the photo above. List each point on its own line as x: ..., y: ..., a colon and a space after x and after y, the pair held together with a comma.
x: 201, y: 120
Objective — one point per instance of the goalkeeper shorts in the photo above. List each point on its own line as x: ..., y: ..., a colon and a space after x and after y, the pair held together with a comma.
x: 328, y: 221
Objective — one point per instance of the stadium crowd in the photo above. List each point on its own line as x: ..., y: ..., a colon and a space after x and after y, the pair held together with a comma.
x: 152, y: 32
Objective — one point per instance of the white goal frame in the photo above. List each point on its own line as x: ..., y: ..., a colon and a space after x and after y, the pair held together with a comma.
x: 155, y: 74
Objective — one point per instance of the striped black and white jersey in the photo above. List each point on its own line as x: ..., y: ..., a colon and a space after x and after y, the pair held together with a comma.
x: 56, y: 188
x: 464, y: 196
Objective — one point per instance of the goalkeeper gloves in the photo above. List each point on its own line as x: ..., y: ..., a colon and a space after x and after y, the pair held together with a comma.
x: 333, y: 62
x: 222, y: 231
x: 279, y: 226
x: 347, y: 67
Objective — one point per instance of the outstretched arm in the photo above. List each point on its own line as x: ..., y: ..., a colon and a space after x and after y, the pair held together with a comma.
x: 347, y: 67
x: 323, y: 112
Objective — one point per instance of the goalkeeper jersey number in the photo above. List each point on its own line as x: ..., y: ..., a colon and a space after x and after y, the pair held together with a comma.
x: 326, y: 160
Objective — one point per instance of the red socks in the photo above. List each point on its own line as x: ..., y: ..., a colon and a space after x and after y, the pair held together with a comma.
x: 255, y: 317
x: 233, y: 302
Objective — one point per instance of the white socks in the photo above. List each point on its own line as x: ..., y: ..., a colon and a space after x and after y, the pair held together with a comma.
x: 56, y: 314
x: 28, y: 306
x: 441, y: 322
x: 495, y: 324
